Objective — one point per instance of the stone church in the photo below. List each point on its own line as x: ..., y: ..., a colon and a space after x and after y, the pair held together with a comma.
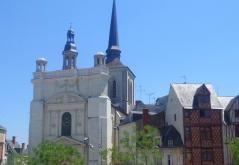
x: 77, y: 105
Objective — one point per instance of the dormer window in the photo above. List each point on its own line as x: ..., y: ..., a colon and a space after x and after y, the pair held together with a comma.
x: 170, y: 143
x: 202, y: 98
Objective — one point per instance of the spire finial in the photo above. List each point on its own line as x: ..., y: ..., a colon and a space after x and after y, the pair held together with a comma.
x: 113, y: 50
x: 70, y: 25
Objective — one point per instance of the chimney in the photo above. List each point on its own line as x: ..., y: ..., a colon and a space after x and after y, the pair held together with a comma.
x: 138, y: 102
x: 145, y: 116
x: 23, y: 146
x: 14, y: 140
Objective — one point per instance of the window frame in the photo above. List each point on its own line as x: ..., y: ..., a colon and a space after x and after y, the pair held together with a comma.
x: 188, y: 133
x: 207, y: 155
x: 206, y: 133
x: 66, y: 129
x: 205, y: 113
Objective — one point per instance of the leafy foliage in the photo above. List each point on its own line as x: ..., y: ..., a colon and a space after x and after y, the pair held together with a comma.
x: 147, y: 145
x: 50, y: 153
x: 234, y: 146
x: 17, y: 159
x: 138, y: 148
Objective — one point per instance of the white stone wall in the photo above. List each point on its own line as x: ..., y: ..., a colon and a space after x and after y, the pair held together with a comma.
x: 36, y: 124
x: 84, y: 94
x: 121, y: 75
x: 174, y: 107
x: 174, y: 154
x: 99, y: 127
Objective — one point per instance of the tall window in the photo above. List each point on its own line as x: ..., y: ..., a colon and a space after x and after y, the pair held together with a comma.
x: 66, y: 124
x: 130, y: 92
x: 187, y: 133
x: 187, y: 113
x: 205, y: 113
x: 114, y: 88
x: 205, y: 133
x: 207, y: 155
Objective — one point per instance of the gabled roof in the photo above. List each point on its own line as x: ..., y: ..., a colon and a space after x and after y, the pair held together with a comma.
x: 225, y: 101
x: 186, y: 92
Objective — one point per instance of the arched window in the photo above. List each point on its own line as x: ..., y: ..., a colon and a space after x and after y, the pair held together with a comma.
x: 114, y: 88
x: 66, y: 124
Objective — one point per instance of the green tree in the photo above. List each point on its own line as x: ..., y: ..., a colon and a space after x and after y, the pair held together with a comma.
x: 147, y: 146
x: 50, y: 153
x: 138, y: 148
x: 17, y: 159
x: 234, y: 146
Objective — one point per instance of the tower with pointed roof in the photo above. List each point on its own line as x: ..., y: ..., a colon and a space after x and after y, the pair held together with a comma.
x: 113, y: 51
x: 121, y: 82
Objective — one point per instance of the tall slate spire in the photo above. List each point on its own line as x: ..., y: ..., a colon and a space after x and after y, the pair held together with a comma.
x: 113, y: 51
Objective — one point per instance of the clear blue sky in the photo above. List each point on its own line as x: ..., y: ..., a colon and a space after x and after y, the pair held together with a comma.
x: 161, y: 40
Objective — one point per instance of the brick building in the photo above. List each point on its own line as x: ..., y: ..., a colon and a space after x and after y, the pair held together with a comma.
x: 196, y: 112
x: 203, y: 131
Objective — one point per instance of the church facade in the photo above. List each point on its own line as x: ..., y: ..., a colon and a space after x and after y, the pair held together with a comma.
x: 75, y: 105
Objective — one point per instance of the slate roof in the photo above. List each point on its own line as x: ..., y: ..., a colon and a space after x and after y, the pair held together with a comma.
x: 225, y: 101
x: 186, y: 92
x: 170, y: 133
x: 16, y: 145
x: 160, y: 106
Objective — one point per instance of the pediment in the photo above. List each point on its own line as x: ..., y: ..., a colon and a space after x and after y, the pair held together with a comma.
x: 65, y: 97
x: 69, y: 141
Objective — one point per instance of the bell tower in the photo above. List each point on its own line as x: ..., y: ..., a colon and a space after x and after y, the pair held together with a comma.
x: 70, y: 51
x: 121, y: 81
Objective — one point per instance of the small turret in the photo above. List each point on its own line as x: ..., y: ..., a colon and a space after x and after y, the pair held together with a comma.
x: 41, y: 65
x: 70, y: 51
x: 99, y: 59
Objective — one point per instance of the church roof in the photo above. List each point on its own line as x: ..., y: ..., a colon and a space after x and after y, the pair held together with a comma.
x: 113, y: 51
x: 186, y: 92
x: 116, y: 64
